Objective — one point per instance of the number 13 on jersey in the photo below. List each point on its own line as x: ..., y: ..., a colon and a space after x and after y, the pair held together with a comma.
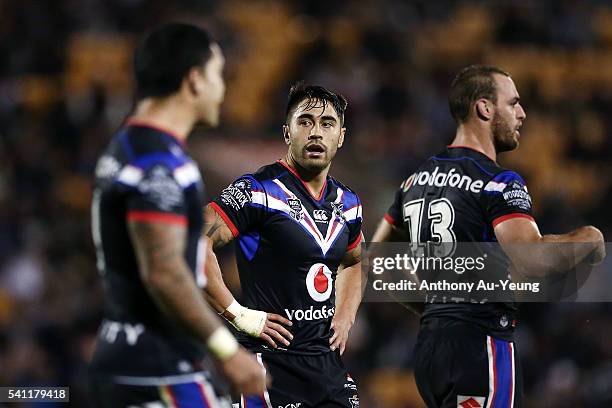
x: 440, y: 217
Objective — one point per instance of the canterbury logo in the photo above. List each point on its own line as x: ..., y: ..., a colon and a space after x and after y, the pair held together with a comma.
x: 320, y: 216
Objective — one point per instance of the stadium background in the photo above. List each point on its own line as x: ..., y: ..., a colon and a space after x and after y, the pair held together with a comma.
x: 65, y: 86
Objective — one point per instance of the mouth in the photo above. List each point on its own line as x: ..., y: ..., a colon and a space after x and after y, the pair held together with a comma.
x: 315, y: 150
x: 517, y: 130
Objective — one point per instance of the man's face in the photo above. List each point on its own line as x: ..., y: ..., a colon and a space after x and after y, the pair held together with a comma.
x: 508, y: 117
x: 314, y: 133
x: 212, y: 89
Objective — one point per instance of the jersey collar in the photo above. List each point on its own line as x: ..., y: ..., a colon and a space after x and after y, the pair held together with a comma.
x: 470, y: 148
x: 142, y: 123
x: 295, y: 173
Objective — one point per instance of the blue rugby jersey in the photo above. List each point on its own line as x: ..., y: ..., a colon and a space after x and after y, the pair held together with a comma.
x: 460, y: 195
x: 289, y: 246
x: 144, y: 175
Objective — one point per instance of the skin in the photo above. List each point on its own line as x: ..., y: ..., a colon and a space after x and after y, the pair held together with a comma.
x: 307, y: 126
x: 493, y: 128
x: 160, y: 247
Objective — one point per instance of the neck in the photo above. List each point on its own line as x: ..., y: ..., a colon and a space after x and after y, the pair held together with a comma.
x: 476, y: 138
x: 166, y: 113
x: 315, y: 181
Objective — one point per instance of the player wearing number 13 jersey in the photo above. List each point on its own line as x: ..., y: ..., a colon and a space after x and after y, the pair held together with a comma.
x: 465, y: 355
x: 298, y: 235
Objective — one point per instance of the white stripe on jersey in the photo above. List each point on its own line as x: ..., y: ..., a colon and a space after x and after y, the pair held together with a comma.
x: 130, y: 175
x: 187, y: 174
x: 159, y: 381
x: 334, y: 228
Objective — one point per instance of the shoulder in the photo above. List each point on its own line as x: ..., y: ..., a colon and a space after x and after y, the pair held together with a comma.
x: 503, y: 179
x: 350, y: 201
x: 349, y: 196
x: 258, y: 179
x: 152, y: 157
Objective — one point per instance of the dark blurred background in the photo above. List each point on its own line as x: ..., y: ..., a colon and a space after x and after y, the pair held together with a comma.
x: 66, y: 85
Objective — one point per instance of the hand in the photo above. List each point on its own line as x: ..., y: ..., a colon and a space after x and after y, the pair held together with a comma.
x: 273, y: 331
x: 257, y: 323
x: 598, y: 254
x: 340, y: 327
x: 245, y: 373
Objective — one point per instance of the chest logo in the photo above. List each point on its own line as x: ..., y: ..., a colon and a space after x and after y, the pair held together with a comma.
x: 338, y: 211
x: 320, y: 216
x: 319, y: 282
x: 295, y: 207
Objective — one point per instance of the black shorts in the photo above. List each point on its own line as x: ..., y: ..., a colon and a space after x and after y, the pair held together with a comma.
x: 462, y: 367
x: 182, y: 391
x: 306, y: 382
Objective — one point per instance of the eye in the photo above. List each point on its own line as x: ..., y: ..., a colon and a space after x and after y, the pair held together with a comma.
x: 305, y: 122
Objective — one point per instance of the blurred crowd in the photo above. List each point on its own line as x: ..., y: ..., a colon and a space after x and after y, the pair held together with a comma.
x: 66, y: 86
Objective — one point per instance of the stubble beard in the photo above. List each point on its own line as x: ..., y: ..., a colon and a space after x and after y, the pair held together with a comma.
x: 504, y: 138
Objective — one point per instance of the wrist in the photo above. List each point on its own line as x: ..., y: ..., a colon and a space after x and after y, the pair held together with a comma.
x: 222, y: 344
x: 244, y: 319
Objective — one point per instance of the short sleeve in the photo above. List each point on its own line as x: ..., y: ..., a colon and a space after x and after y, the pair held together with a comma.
x: 394, y: 213
x: 155, y: 195
x: 354, y: 221
x: 506, y: 196
x: 241, y: 204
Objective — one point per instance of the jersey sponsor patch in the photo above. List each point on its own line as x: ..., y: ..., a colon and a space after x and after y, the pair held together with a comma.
x: 406, y: 184
x: 454, y: 178
x: 238, y: 194
x: 319, y: 282
x: 464, y: 401
x: 516, y: 195
x: 160, y: 187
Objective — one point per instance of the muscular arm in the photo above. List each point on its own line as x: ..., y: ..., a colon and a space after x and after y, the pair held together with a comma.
x: 220, y: 297
x: 386, y: 232
x: 218, y: 233
x: 350, y: 284
x: 542, y: 255
x: 159, y: 250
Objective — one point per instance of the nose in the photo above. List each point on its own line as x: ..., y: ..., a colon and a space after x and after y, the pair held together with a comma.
x: 315, y: 132
x: 521, y: 115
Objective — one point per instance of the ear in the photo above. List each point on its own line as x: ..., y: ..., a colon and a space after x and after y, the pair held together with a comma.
x: 195, y: 81
x: 341, y: 138
x: 484, y: 109
x: 286, y: 134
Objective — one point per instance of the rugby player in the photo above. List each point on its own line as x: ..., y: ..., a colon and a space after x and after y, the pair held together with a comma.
x: 298, y: 235
x: 465, y: 354
x: 147, y: 224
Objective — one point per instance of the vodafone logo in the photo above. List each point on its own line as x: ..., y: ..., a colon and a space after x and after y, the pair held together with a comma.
x: 319, y: 282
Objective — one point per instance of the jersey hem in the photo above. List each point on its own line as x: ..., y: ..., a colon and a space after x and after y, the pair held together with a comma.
x: 156, y: 217
x: 507, y: 217
x: 389, y: 219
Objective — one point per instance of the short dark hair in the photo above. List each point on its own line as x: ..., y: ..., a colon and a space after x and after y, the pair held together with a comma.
x: 471, y: 84
x: 315, y: 94
x: 166, y: 55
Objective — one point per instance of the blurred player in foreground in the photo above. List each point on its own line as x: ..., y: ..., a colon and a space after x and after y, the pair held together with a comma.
x: 298, y: 233
x: 147, y: 225
x: 465, y: 355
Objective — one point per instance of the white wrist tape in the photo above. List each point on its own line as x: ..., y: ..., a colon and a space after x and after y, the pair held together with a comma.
x: 222, y: 344
x: 247, y: 320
